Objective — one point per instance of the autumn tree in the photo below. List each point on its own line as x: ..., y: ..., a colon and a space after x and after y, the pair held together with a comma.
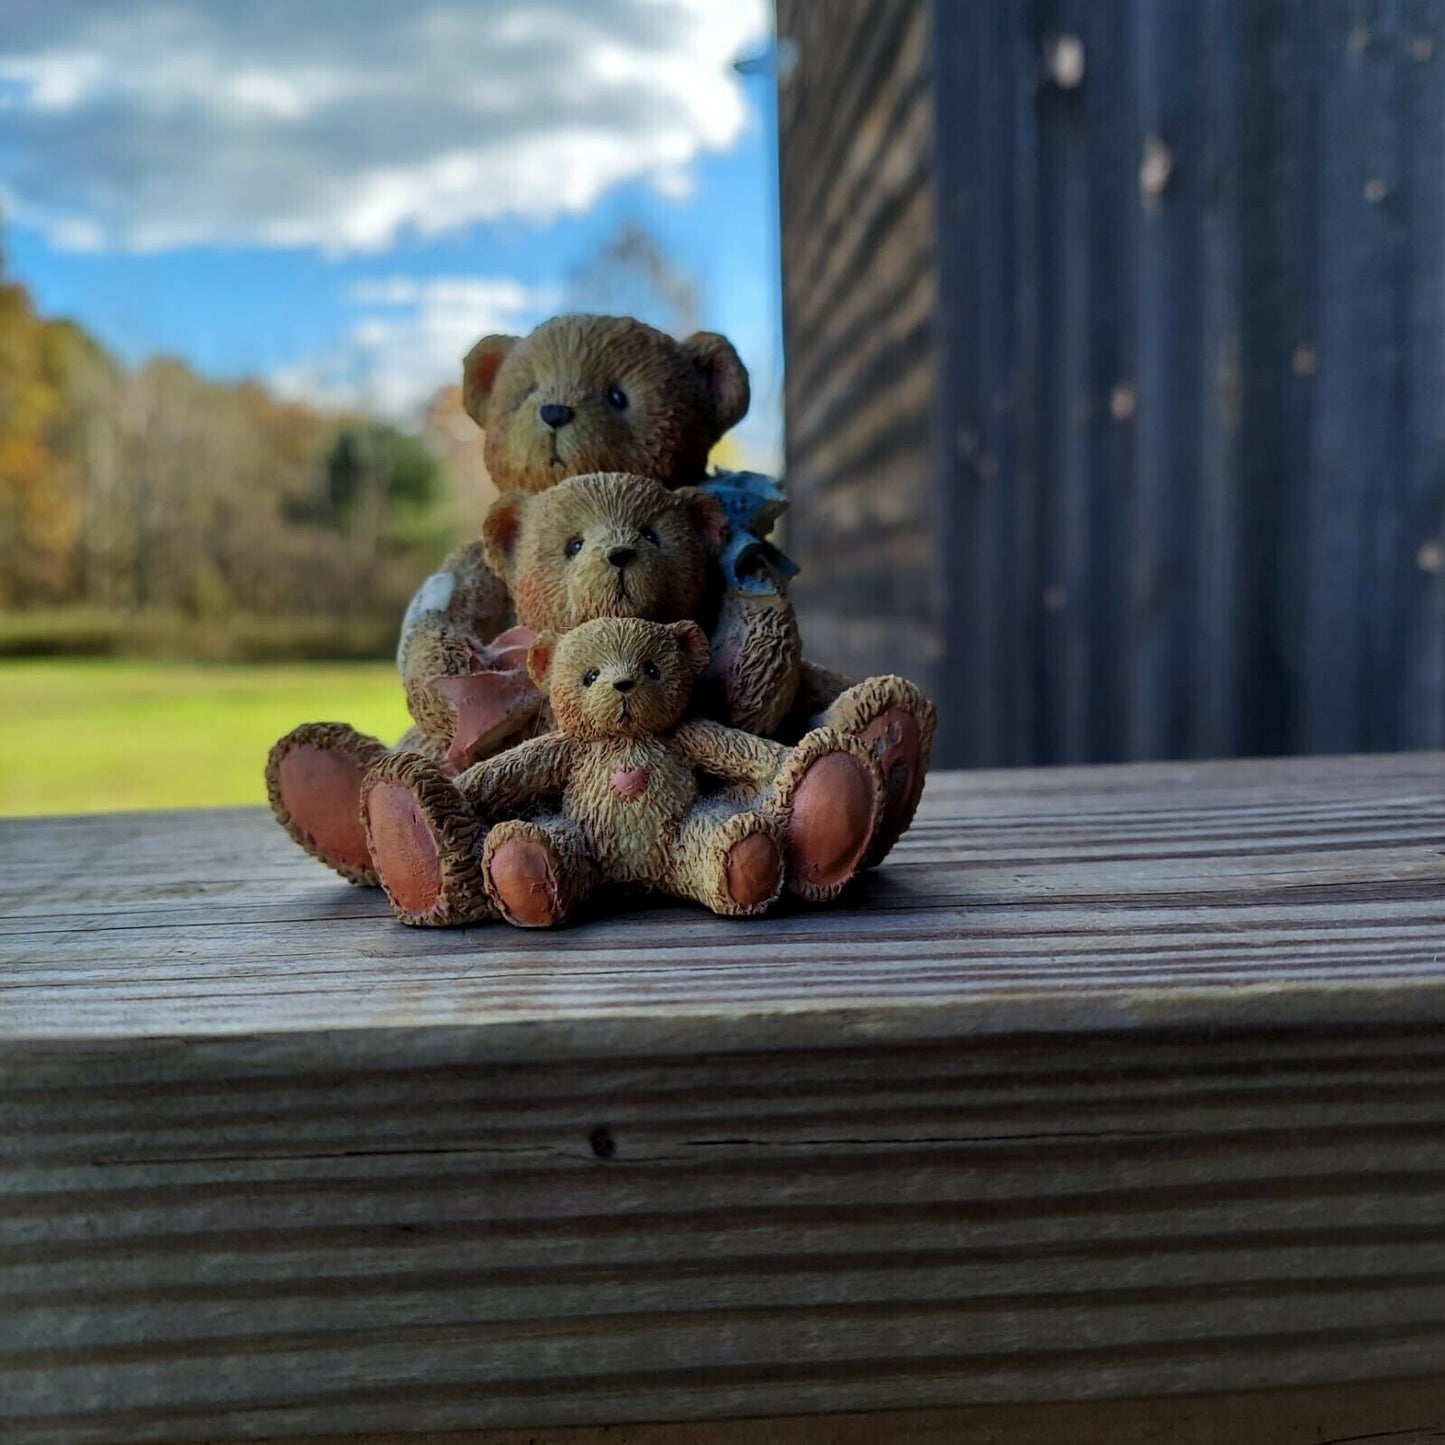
x: 38, y: 521
x: 161, y: 490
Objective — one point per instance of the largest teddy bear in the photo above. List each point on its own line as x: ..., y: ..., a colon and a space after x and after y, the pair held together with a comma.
x: 587, y: 394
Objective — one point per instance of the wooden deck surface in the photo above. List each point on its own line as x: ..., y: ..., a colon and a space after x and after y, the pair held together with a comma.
x: 1113, y: 1083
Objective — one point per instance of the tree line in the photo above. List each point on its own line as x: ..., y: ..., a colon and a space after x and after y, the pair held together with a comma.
x: 153, y: 490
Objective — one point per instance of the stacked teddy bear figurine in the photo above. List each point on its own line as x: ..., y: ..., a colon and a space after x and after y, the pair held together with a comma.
x: 608, y: 689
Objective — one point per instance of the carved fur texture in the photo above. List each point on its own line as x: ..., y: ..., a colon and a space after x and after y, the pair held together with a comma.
x: 893, y: 719
x: 313, y: 779
x: 465, y: 683
x: 614, y: 545
x: 613, y: 797
x: 466, y: 686
x: 450, y: 631
x: 631, y: 399
x: 607, y: 545
x: 678, y: 398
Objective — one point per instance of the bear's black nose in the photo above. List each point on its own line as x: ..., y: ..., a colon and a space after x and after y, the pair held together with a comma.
x: 554, y: 414
x: 625, y: 684
x: 621, y: 556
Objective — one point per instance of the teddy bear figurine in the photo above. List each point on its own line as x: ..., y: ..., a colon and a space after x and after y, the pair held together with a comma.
x: 612, y: 798
x: 580, y: 394
x: 586, y: 394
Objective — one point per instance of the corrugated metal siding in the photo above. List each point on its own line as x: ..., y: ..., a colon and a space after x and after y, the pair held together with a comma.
x: 859, y: 299
x: 1193, y: 487
x: 1162, y: 473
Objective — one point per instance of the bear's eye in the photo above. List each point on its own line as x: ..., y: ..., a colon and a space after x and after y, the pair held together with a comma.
x: 648, y: 535
x: 652, y: 670
x: 574, y: 547
x: 616, y: 398
x: 590, y: 676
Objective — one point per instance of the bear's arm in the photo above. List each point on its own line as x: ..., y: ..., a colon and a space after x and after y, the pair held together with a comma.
x: 755, y: 655
x: 513, y: 781
x: 461, y: 604
x: 731, y: 754
x: 465, y: 676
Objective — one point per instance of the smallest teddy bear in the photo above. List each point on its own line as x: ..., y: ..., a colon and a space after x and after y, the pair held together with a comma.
x: 613, y: 797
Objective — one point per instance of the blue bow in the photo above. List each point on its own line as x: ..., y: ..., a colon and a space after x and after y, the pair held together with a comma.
x: 752, y: 502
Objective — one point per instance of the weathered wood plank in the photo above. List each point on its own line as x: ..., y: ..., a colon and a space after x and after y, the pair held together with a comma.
x: 1403, y: 1412
x: 1065, y: 893
x: 1112, y: 1083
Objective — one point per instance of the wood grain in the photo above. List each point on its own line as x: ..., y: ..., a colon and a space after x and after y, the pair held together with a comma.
x: 1402, y: 1412
x: 1113, y: 1082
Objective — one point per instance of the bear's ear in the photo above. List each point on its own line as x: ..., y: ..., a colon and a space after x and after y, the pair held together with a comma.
x: 501, y: 528
x: 539, y: 658
x: 479, y: 374
x: 692, y: 643
x: 709, y: 520
x: 724, y: 377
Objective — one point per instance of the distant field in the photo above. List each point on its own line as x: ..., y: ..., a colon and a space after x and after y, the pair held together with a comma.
x: 91, y: 735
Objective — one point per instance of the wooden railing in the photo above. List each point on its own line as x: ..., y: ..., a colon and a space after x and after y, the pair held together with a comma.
x: 1113, y: 1091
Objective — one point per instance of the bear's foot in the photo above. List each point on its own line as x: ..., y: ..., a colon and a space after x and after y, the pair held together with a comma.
x: 753, y: 873
x: 730, y: 862
x: 425, y: 843
x: 536, y: 873
x: 829, y: 797
x: 895, y: 722
x: 313, y: 779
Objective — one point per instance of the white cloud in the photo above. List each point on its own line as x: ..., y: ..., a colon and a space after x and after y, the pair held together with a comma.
x: 51, y: 81
x: 345, y: 124
x: 408, y: 339
x: 472, y: 295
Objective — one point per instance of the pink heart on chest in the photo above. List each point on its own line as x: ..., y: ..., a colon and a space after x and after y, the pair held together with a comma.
x: 629, y: 782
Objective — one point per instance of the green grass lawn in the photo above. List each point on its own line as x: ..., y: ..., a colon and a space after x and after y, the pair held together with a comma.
x: 91, y: 735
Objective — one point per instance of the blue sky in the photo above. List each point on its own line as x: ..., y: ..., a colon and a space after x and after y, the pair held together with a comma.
x: 338, y: 198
